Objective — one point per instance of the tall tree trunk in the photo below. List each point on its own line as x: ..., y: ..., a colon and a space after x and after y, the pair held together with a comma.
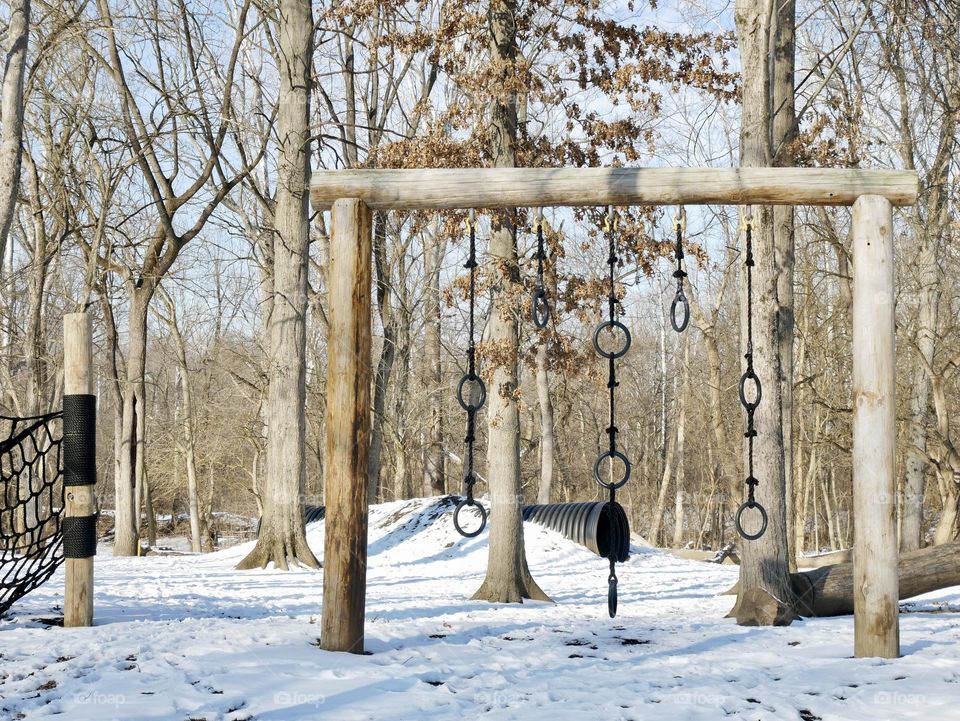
x: 148, y: 510
x: 829, y: 510
x: 401, y: 402
x: 127, y: 510
x: 723, y: 464
x: 508, y: 578
x: 681, y: 484
x: 282, y: 537
x: 11, y: 113
x: 388, y: 353
x: 547, y: 434
x: 764, y: 568
x: 784, y: 135
x: 186, y: 418
x: 915, y: 466
x: 434, y: 471
x: 656, y: 523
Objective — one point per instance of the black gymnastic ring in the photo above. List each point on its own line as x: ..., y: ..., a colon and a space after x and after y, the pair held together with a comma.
x: 456, y: 517
x: 540, y: 308
x: 748, y: 505
x: 471, y: 378
x: 626, y: 472
x: 612, y: 354
x: 677, y: 299
x: 612, y: 596
x: 750, y: 375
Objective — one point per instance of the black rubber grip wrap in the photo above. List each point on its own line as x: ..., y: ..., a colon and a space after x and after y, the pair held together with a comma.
x: 79, y: 536
x: 79, y: 440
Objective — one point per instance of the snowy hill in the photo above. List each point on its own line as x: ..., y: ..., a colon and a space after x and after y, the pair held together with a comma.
x: 190, y: 638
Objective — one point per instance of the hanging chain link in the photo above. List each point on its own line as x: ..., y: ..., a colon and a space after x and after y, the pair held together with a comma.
x: 540, y: 306
x: 471, y: 395
x: 680, y: 299
x: 750, y: 406
x: 612, y: 453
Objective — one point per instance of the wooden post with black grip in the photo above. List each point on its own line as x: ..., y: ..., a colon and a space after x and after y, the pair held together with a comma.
x: 79, y: 469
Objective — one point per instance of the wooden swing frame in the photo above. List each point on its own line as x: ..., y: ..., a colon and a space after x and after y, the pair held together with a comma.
x: 352, y: 195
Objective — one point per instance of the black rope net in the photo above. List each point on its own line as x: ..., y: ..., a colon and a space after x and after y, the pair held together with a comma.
x: 31, y: 543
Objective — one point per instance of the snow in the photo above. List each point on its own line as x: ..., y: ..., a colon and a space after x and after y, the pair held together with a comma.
x: 189, y: 637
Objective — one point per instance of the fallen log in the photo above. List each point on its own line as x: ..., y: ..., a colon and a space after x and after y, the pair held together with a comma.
x: 828, y: 591
x: 825, y: 559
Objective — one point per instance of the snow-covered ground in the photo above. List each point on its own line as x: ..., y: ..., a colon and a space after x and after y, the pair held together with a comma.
x: 183, y: 638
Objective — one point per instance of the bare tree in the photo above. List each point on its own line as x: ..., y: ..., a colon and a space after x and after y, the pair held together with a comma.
x: 765, y: 595
x: 282, y: 539
x: 508, y: 579
x: 208, y: 186
x: 11, y: 115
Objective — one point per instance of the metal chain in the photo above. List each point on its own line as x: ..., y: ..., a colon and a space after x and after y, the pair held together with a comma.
x: 612, y: 452
x: 680, y: 299
x: 750, y: 406
x: 471, y: 405
x: 540, y: 306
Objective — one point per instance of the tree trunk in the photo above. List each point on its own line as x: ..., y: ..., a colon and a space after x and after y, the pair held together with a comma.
x: 11, y: 108
x: 282, y: 537
x: 186, y: 426
x: 148, y: 510
x: 784, y: 135
x: 681, y: 441
x: 388, y: 353
x: 765, y: 562
x: 828, y: 509
x: 508, y: 578
x: 946, y: 529
x: 127, y: 512
x: 915, y: 465
x: 547, y: 434
x: 434, y: 470
x: 653, y: 535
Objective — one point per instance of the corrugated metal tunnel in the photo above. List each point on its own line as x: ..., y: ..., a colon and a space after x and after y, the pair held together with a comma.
x: 587, y: 524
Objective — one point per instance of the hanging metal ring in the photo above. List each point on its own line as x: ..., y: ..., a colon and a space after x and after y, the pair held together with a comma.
x: 471, y: 378
x: 626, y: 470
x: 750, y: 505
x: 612, y: 596
x: 612, y: 324
x: 750, y: 375
x: 456, y: 518
x: 540, y: 308
x: 680, y: 299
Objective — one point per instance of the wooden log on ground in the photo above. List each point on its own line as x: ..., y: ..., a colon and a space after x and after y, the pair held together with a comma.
x: 825, y: 559
x: 445, y: 189
x: 829, y: 591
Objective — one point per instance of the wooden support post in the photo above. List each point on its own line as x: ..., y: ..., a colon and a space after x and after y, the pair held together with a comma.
x: 349, y: 375
x: 875, y: 549
x: 79, y: 463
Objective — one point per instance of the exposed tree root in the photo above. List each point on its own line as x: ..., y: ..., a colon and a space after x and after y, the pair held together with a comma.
x: 280, y: 549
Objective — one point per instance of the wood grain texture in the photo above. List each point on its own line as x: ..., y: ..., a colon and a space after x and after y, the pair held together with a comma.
x: 875, y: 548
x: 832, y: 587
x: 349, y: 366
x: 541, y: 187
x: 80, y: 500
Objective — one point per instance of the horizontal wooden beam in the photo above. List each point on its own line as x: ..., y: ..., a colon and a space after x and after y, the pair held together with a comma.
x: 446, y: 189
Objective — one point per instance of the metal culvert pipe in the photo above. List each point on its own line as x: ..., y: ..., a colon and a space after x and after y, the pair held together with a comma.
x: 587, y: 524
